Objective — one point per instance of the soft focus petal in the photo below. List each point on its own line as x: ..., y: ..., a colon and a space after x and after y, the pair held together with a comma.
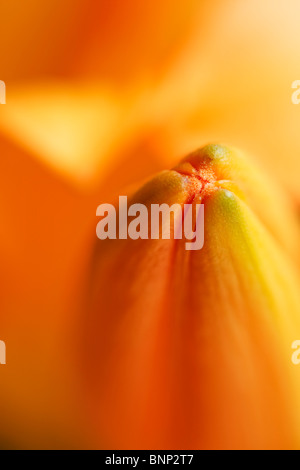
x: 75, y: 129
x: 115, y: 41
x: 44, y: 237
x: 233, y: 82
x: 85, y: 132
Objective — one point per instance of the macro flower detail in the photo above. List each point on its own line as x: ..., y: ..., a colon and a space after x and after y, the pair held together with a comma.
x: 150, y: 301
x: 192, y: 349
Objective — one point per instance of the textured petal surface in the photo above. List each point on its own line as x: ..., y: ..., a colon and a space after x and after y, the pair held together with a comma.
x: 192, y: 349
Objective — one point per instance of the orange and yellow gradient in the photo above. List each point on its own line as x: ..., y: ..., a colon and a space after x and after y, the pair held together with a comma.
x: 141, y: 344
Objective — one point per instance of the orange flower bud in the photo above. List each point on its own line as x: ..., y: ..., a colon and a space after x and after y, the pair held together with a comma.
x: 192, y: 349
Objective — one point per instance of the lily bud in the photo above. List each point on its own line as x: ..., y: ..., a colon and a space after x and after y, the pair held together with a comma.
x: 192, y: 349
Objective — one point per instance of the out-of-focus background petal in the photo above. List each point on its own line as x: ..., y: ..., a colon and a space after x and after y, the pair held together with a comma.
x: 76, y: 129
x: 117, y: 41
x: 44, y: 225
x: 193, y: 73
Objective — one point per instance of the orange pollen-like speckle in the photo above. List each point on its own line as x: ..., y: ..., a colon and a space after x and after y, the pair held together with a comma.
x: 203, y: 182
